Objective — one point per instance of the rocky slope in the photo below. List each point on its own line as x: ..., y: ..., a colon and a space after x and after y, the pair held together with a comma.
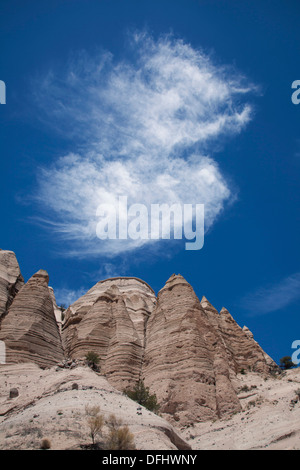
x: 187, y: 353
x: 269, y: 417
x: 51, y: 404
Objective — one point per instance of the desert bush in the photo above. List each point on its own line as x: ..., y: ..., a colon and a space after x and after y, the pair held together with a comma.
x: 251, y: 403
x: 298, y: 393
x: 93, y: 360
x: 141, y: 395
x: 45, y: 444
x: 92, y: 410
x: 95, y: 421
x: 114, y: 422
x: 120, y: 438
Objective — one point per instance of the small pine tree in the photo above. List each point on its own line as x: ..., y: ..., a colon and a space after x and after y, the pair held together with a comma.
x: 93, y: 360
x: 286, y: 363
x: 141, y: 395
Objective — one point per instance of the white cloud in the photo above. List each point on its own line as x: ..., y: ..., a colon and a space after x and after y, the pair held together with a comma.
x: 66, y: 296
x: 273, y: 298
x: 142, y: 128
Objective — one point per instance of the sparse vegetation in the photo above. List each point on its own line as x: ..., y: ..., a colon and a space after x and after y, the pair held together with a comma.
x: 141, y: 395
x: 286, y: 363
x: 95, y: 421
x: 251, y: 403
x: 246, y: 388
x: 93, y: 360
x: 118, y: 437
x: 298, y: 393
x: 114, y: 422
x: 45, y: 444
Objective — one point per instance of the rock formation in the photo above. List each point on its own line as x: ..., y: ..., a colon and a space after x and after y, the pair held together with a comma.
x: 186, y: 352
x: 110, y: 320
x: 29, y: 329
x: 245, y: 354
x: 11, y: 280
x: 58, y: 312
x: 185, y: 358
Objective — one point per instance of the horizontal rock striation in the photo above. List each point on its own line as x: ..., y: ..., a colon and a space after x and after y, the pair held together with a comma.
x: 185, y: 358
x: 110, y: 321
x: 29, y: 329
x: 244, y: 352
x: 186, y: 352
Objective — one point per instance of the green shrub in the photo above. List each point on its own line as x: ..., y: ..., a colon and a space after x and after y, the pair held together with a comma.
x: 93, y: 360
x: 286, y: 363
x: 141, y: 395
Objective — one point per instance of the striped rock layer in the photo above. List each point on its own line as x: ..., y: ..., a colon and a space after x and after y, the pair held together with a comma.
x: 29, y: 329
x: 110, y: 320
x: 186, y: 352
x: 193, y: 354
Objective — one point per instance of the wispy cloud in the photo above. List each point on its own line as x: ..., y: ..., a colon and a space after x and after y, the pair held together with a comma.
x: 273, y: 298
x: 66, y: 296
x: 143, y: 127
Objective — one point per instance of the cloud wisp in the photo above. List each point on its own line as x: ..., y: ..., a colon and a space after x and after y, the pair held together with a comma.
x: 273, y: 298
x: 144, y: 128
x: 66, y: 296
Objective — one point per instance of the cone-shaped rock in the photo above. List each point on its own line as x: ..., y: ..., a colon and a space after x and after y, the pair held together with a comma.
x: 244, y: 352
x: 29, y: 328
x: 110, y: 321
x: 185, y: 361
x: 186, y: 352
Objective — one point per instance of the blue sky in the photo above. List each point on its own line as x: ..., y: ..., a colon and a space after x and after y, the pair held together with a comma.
x: 161, y: 101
